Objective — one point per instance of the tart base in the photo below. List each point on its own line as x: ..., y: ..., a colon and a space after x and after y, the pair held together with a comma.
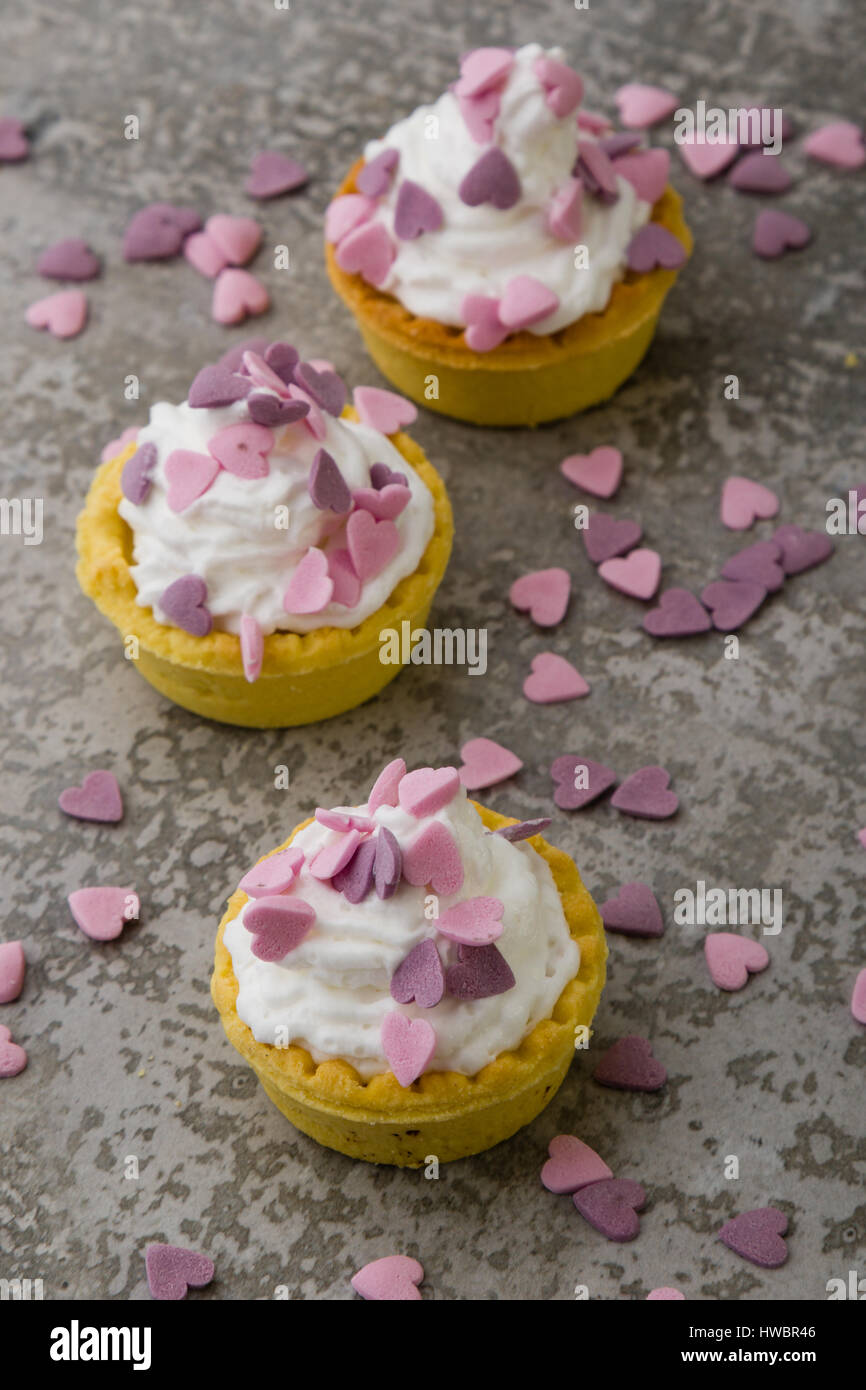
x: 529, y: 379
x: 444, y: 1114
x: 305, y: 677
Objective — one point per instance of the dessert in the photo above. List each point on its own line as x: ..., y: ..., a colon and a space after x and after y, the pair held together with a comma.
x: 505, y: 262
x: 407, y: 977
x: 252, y: 543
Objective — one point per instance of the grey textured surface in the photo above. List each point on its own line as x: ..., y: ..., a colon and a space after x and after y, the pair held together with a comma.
x: 126, y: 1054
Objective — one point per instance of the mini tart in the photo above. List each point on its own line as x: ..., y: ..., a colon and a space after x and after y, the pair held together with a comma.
x: 443, y: 1113
x: 530, y: 378
x: 305, y: 676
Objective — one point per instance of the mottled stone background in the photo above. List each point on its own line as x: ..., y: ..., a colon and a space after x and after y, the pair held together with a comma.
x: 126, y: 1054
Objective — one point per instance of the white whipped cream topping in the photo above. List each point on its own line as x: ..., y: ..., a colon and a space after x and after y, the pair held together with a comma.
x: 228, y: 536
x: 479, y: 249
x: 331, y: 993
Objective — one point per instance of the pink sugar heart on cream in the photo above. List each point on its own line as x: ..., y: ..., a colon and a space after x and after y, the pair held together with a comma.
x: 525, y: 301
x: 433, y: 857
x: 553, y: 679
x: 314, y: 420
x: 102, y: 913
x: 572, y: 1165
x: 565, y: 212
x: 372, y: 544
x: 311, y: 587
x: 63, y: 314
x: 641, y: 105
x: 472, y: 922
x: 599, y: 473
x: 238, y: 238
x: 189, y: 476
x: 840, y: 143
x: 367, y: 250
x: 563, y: 87
x: 12, y: 970
x: 13, y: 1059
x: 243, y: 449
x: 345, y: 213
x: 408, y: 1044
x: 347, y: 585
x: 706, y: 161
x: 204, y: 255
x: 273, y: 875
x: 647, y: 171
x: 343, y: 821
x: 637, y: 574
x: 278, y: 925
x: 252, y: 647
x: 382, y: 410
x: 482, y: 69
x: 236, y: 295
x: 393, y: 1279
x: 98, y: 798
x: 731, y: 959
x: 334, y: 856
x: 260, y: 374
x: 172, y: 1271
x: 428, y: 790
x: 744, y: 502
x: 484, y: 328
x: 543, y: 594
x: 383, y: 503
x: 386, y: 788
x: 479, y: 114
x: 485, y: 763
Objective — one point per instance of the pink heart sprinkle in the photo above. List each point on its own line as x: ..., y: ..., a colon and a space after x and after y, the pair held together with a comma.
x: 858, y: 996
x: 593, y: 123
x: 637, y: 575
x: 572, y: 1165
x: 13, y: 966
x: 482, y: 69
x: 433, y: 858
x: 633, y: 912
x: 757, y: 1236
x: 63, y: 314
x: 172, y: 1271
x: 386, y: 787
x: 347, y: 585
x: 679, y: 614
x: 238, y: 238
x: 252, y: 647
x: 485, y: 763
x: 565, y: 212
x: 314, y: 420
x: 374, y: 179
x: 606, y: 536
x: 647, y: 171
x: 386, y: 503
x: 731, y: 959
x: 484, y: 328
x: 393, y: 1279
x: 13, y: 1059
x: 472, y: 922
x: 334, y: 856
x: 204, y: 255
x: 479, y: 115
x: 272, y: 173
x: 98, y: 798
x: 563, y: 87
x: 428, y: 790
x: 599, y: 473
x: 278, y: 925
x: 382, y: 410
x: 612, y: 1207
x: 641, y: 106
x: 645, y: 794
x: 188, y: 475
x: 408, y: 1044
x: 102, y: 913
x: 311, y: 587
x: 367, y: 250
x: 630, y: 1066
x: 343, y: 821
x: 273, y: 875
x: 116, y: 446
x: 543, y: 594
x: 345, y: 213
x: 14, y: 144
x: 372, y: 544
x: 525, y: 301
x: 243, y: 449
x: 706, y: 161
x: 237, y: 294
x: 553, y: 679
x: 840, y: 143
x: 665, y: 1294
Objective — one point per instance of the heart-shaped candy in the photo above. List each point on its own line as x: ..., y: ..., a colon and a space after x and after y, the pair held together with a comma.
x: 760, y: 172
x: 858, y: 994
x: 653, y: 245
x: 486, y: 762
x: 381, y: 476
x: 758, y: 1236
x: 204, y: 255
x: 216, y: 386
x: 630, y: 1066
x: 278, y: 925
x: 63, y: 314
x: 479, y: 114
x: 679, y: 614
x: 572, y: 1165
x: 492, y: 179
x: 523, y: 829
x: 612, y: 1207
x: 345, y: 213
x: 69, y: 259
x: 633, y: 912
x: 327, y: 486
x: 647, y: 171
x: 243, y: 449
x: 665, y: 1294
x: 14, y: 144
x: 272, y: 875
x: 482, y: 69
x: 355, y: 879
x: 472, y: 922
x: 233, y: 359
x: 183, y: 604
x: 375, y: 178
x: 607, y: 536
x: 118, y: 445
x: 433, y: 858
x: 371, y: 544
x: 98, y: 798
x: 188, y: 475
x: 272, y: 173
x: 347, y: 585
x: 236, y: 295
x: 386, y: 788
x: 731, y: 959
x: 388, y: 864
x: 393, y: 1279
x: 840, y: 143
x: 311, y: 587
x: 238, y: 238
x: 13, y: 966
x: 408, y: 1044
x: 334, y: 856
x: 641, y: 105
x: 579, y: 781
x: 563, y: 87
x: 597, y: 173
x: 13, y: 1059
x: 327, y: 389
x: 382, y: 410
x: 157, y: 232
x: 565, y: 212
x: 637, y: 574
x: 267, y: 409
x: 553, y: 679
x: 708, y: 160
x: 525, y: 301
x: 645, y: 794
x: 386, y: 503
x: 543, y: 594
x: 480, y: 973
x: 419, y: 977
x: 620, y: 144
x: 732, y: 602
x: 136, y: 478
x: 428, y: 789
x: 599, y: 473
x: 777, y: 232
x: 252, y: 647
x: 102, y: 913
x: 415, y: 212
x: 801, y: 550
x: 367, y: 251
x: 484, y: 328
x: 172, y: 1271
x: 760, y: 563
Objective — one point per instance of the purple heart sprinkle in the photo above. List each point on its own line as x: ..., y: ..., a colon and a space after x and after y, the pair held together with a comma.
x: 623, y: 142
x: 381, y: 476
x: 758, y: 1236
x: 777, y: 232
x: 481, y: 972
x: 375, y: 177
x: 800, y: 549
x: 356, y: 879
x: 282, y: 358
x: 233, y: 359
x: 523, y: 829
x: 416, y: 212
x: 420, y: 977
x: 760, y: 562
x: 492, y: 179
x: 135, y: 480
x: 272, y: 173
x: 267, y: 409
x: 327, y: 486
x: 760, y: 172
x: 157, y: 232
x: 732, y: 602
x: 215, y: 386
x: 630, y: 1066
x: 596, y: 172
x: 606, y: 536
x: 678, y: 614
x: 326, y: 388
x: 612, y: 1207
x: 653, y: 245
x: 388, y: 869
x: 633, y: 912
x: 183, y: 603
x: 569, y: 774
x: 646, y: 794
x: 70, y: 259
